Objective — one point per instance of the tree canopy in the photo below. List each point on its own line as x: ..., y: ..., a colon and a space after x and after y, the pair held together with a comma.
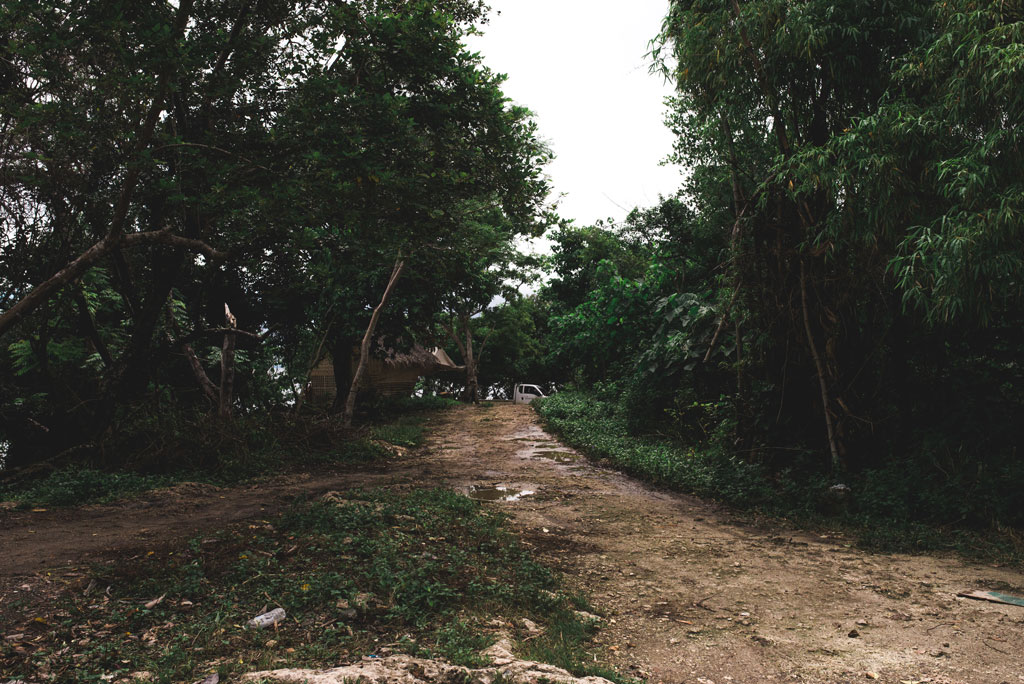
x: 203, y: 199
x: 168, y: 162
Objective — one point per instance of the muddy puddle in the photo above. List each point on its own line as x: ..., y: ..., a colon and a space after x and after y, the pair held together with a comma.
x: 497, y: 493
x: 556, y: 455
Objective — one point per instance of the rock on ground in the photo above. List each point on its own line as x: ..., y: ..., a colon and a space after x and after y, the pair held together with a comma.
x: 403, y: 669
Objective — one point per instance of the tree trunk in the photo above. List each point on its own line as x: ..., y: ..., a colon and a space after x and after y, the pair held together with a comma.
x: 822, y: 382
x: 129, y: 378
x: 741, y: 393
x: 227, y: 367
x: 472, y: 395
x: 364, y: 348
x: 209, y: 389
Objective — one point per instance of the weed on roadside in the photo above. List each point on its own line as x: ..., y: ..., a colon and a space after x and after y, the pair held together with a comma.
x: 83, y: 485
x: 246, y: 450
x: 598, y: 429
x: 406, y: 431
x: 364, y: 573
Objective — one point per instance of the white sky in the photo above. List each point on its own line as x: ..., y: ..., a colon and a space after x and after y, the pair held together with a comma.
x: 580, y: 66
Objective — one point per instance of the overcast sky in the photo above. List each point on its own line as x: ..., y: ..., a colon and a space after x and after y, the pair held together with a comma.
x: 580, y: 66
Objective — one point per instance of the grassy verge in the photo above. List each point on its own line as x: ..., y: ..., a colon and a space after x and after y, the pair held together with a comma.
x: 596, y: 428
x: 425, y: 572
x: 868, y: 515
x: 250, y: 448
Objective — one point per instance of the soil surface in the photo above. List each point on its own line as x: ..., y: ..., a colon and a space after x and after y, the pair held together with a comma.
x: 689, y: 593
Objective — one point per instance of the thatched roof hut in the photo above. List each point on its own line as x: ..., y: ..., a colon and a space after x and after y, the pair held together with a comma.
x: 391, y: 373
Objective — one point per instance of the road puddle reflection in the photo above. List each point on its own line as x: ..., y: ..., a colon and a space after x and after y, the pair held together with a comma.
x: 497, y: 493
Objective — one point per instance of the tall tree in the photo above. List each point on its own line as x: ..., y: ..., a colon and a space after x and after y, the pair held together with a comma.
x: 270, y: 156
x: 764, y: 86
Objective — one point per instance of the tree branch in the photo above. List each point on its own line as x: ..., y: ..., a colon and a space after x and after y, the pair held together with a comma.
x: 215, y: 149
x: 450, y: 329
x: 364, y: 348
x: 227, y: 365
x: 483, y: 344
x: 196, y: 334
x: 721, y: 323
x: 115, y: 235
x: 209, y: 389
x: 166, y: 237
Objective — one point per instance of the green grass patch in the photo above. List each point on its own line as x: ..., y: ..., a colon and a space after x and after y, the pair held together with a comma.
x: 214, y: 453
x: 386, y: 408
x: 76, y: 486
x: 401, y: 435
x: 405, y: 431
x: 373, y: 573
x: 598, y: 429
x: 564, y: 644
x: 879, y: 513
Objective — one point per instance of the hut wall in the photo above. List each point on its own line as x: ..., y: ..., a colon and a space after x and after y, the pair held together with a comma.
x: 379, y: 377
x: 321, y: 383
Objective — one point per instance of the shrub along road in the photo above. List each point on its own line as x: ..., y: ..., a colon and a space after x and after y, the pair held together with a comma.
x: 690, y: 594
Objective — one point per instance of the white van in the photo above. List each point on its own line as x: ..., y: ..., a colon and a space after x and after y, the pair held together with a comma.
x: 524, y: 394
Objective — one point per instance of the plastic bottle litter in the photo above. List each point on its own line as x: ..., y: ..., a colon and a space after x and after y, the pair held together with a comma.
x: 266, y: 620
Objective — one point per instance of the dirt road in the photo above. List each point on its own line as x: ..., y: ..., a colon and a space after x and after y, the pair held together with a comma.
x: 689, y: 594
x: 694, y: 597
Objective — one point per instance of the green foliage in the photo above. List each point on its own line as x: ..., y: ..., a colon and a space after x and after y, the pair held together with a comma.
x: 82, y: 486
x: 944, y: 138
x: 916, y: 501
x: 577, y: 256
x: 835, y: 295
x: 518, y: 343
x: 424, y: 569
x: 596, y: 425
x: 301, y: 150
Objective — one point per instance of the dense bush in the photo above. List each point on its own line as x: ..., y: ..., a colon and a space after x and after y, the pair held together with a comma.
x: 206, y: 450
x: 598, y: 427
x: 906, y: 493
